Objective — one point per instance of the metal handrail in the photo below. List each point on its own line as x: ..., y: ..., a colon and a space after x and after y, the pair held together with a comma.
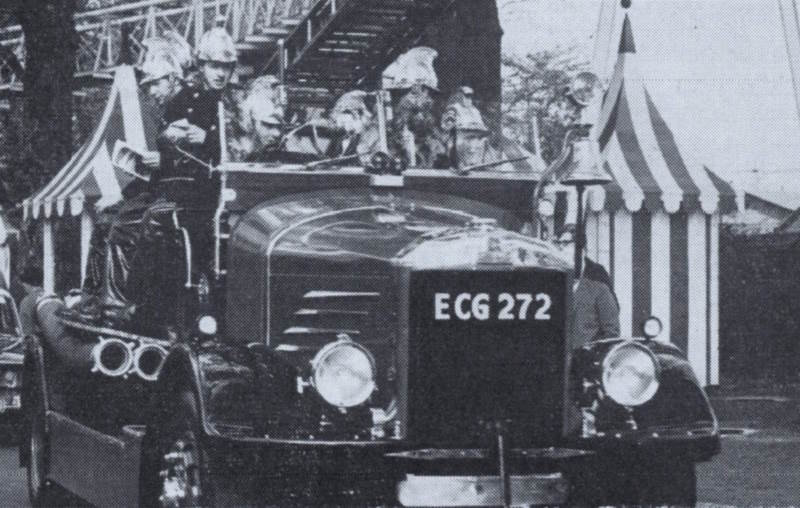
x: 99, y: 30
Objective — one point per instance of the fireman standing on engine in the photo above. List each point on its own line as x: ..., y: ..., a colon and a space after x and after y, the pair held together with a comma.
x: 190, y: 145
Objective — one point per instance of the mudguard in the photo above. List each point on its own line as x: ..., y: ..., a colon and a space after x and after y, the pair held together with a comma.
x: 679, y: 415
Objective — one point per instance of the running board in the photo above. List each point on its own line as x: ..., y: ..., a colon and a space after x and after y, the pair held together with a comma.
x: 99, y: 468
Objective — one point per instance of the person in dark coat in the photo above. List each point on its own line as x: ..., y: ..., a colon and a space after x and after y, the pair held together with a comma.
x: 596, y: 309
x: 191, y: 146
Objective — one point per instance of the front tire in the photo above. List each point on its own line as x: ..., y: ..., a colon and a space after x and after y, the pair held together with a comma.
x: 174, y: 462
x: 41, y: 492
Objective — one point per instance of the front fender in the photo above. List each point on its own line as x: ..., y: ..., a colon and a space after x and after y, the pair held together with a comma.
x: 251, y: 392
x: 679, y: 403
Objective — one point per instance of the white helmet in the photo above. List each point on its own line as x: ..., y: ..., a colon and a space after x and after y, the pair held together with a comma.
x: 173, y: 43
x: 414, y: 67
x: 217, y: 45
x: 262, y: 106
x: 159, y: 65
x: 462, y: 114
x: 353, y: 101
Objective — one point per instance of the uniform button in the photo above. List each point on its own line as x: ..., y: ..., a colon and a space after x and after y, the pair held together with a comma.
x: 213, y: 127
x: 189, y: 110
x: 196, y: 95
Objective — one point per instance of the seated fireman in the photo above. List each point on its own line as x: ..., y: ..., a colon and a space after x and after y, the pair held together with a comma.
x: 414, y: 85
x: 262, y: 126
x: 348, y: 131
x: 358, y: 133
x: 466, y: 140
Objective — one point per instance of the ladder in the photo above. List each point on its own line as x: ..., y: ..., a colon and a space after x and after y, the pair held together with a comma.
x: 344, y: 44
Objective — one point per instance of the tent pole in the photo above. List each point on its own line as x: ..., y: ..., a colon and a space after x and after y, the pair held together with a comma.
x: 87, y: 225
x: 48, y: 257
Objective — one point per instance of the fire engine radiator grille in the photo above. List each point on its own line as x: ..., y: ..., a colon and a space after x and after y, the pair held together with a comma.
x: 477, y: 359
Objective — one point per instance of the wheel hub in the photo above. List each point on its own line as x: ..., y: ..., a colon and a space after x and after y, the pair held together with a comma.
x: 180, y: 474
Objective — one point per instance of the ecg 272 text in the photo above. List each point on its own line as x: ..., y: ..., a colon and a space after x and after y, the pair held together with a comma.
x: 484, y: 306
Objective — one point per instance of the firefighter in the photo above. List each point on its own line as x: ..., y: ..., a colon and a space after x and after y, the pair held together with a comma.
x: 162, y: 80
x: 262, y: 123
x: 358, y: 134
x: 162, y: 77
x: 190, y: 145
x: 114, y: 238
x: 414, y: 84
x: 466, y: 138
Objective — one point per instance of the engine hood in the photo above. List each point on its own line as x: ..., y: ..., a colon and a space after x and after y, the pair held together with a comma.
x: 415, y: 229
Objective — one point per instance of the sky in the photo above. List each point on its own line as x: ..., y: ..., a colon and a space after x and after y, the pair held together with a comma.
x: 717, y: 69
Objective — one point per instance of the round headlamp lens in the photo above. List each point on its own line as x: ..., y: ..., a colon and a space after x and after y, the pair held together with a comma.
x: 630, y: 374
x: 344, y: 374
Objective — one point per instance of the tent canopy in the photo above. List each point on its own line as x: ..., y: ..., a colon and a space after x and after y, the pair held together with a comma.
x: 640, y: 152
x: 89, y: 177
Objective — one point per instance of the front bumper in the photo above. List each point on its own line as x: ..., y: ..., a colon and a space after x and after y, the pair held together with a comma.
x: 302, y: 473
x: 532, y: 489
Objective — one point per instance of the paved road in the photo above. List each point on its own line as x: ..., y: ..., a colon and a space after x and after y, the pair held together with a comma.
x: 12, y: 480
x: 760, y: 469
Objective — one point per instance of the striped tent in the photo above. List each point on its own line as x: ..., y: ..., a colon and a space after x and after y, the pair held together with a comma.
x: 90, y: 178
x: 656, y: 226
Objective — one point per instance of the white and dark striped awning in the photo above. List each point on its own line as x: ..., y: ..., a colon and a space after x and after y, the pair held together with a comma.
x: 89, y: 176
x: 639, y: 150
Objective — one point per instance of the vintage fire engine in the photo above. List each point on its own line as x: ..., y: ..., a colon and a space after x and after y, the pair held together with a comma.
x: 363, y: 339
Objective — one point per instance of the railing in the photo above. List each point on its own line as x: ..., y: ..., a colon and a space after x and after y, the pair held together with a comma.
x: 113, y: 35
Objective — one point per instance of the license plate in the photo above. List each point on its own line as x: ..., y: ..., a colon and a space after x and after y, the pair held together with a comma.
x: 10, y: 402
x: 486, y: 306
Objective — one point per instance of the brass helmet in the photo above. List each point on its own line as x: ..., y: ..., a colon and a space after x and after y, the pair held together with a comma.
x: 414, y: 67
x: 217, y: 45
x: 169, y: 42
x: 462, y: 114
x: 262, y: 106
x: 352, y: 101
x: 266, y: 82
x: 159, y: 65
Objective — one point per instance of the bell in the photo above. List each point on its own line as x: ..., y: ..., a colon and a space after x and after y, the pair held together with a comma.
x: 581, y: 168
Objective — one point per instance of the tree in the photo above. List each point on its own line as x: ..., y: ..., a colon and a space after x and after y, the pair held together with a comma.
x: 534, y: 88
x: 468, y: 41
x: 42, y: 139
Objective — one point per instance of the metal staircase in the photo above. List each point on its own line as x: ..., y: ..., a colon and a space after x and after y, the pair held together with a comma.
x: 343, y: 44
x: 320, y: 47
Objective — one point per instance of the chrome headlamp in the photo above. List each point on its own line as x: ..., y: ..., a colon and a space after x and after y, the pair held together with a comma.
x: 630, y: 374
x: 343, y: 373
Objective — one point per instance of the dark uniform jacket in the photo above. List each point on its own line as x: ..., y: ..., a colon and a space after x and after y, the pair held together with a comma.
x: 595, y: 307
x: 182, y: 178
